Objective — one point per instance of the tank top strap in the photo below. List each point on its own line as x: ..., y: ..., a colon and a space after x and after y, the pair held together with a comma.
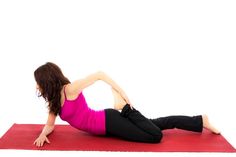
x: 65, y: 92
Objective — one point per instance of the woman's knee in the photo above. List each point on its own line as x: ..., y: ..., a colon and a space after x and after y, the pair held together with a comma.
x: 153, y: 138
x: 149, y: 138
x: 157, y: 137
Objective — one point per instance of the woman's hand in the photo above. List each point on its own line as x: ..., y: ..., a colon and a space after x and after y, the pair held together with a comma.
x: 119, y: 100
x: 40, y: 140
x: 125, y: 97
x: 48, y: 128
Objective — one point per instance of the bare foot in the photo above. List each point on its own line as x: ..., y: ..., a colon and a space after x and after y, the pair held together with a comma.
x: 119, y: 101
x: 208, y: 126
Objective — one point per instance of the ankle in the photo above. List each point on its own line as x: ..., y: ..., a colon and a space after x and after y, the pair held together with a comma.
x: 125, y: 110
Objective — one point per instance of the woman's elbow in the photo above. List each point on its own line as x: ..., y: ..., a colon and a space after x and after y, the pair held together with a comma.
x: 100, y: 75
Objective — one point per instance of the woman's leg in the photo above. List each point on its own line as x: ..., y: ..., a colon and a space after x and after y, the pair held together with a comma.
x: 123, y: 127
x: 141, y: 121
x: 135, y: 116
x: 194, y: 123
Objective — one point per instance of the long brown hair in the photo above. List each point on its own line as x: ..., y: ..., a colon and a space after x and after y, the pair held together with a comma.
x: 51, y: 80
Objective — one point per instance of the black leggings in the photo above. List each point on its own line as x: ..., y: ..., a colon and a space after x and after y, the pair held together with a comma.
x: 131, y: 125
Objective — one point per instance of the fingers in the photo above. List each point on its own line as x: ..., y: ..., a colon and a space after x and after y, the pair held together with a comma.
x: 127, y: 101
x: 36, y: 142
x: 47, y: 140
x: 123, y: 96
x: 131, y: 106
x: 40, y: 142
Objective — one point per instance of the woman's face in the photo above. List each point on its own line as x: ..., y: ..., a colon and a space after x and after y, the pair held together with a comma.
x: 38, y: 88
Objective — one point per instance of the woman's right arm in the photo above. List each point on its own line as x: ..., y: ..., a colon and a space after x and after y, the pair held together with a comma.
x: 48, y: 128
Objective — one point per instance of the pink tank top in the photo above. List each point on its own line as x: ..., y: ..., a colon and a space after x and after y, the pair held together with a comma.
x: 77, y: 113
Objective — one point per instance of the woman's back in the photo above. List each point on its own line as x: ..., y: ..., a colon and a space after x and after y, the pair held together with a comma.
x: 77, y: 113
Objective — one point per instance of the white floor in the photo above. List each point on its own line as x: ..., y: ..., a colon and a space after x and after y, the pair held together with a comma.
x: 11, y: 153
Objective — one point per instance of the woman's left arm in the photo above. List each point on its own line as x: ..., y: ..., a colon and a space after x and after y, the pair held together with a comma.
x: 104, y: 77
x: 81, y: 84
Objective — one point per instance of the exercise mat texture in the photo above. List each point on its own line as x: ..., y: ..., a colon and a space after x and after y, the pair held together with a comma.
x: 65, y: 137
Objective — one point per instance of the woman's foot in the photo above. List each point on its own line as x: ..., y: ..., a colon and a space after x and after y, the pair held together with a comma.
x: 119, y: 101
x: 208, y: 126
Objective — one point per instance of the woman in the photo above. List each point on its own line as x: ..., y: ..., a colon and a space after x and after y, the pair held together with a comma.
x: 66, y: 100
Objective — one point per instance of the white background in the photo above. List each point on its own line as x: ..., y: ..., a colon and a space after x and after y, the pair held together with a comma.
x: 171, y: 57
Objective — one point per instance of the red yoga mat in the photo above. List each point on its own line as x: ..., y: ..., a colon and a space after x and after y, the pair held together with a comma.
x: 64, y: 137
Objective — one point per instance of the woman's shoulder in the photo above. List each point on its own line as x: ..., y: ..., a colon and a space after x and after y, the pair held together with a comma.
x: 72, y: 90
